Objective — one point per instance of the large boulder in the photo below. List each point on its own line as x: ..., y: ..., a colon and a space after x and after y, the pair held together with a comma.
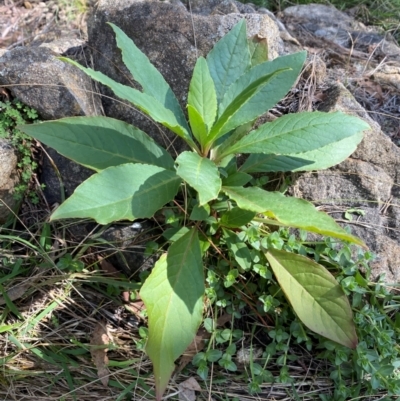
x: 55, y: 89
x: 39, y: 79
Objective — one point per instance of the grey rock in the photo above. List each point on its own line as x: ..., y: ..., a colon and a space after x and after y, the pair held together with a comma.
x: 388, y: 76
x: 207, y: 7
x: 55, y: 89
x: 248, y: 8
x: 8, y: 179
x: 226, y: 7
x: 381, y: 44
x: 368, y: 180
x: 390, y: 49
x: 64, y: 45
x: 125, y: 246
x: 61, y: 176
x: 203, y: 7
x: 336, y: 35
x: 172, y: 38
x: 335, y: 26
x: 323, y: 15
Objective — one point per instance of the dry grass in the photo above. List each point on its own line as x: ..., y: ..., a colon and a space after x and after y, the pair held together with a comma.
x: 46, y: 332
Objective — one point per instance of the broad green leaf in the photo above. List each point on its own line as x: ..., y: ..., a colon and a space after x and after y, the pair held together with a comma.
x: 258, y: 47
x: 318, y: 159
x: 238, y: 179
x: 151, y: 80
x: 285, y: 70
x: 201, y: 174
x: 213, y: 355
x: 174, y: 233
x: 228, y: 121
x: 238, y: 249
x: 99, y: 142
x: 315, y: 295
x: 199, y: 128
x: 292, y: 212
x: 331, y: 154
x: 202, y: 94
x: 146, y: 103
x: 125, y: 192
x: 236, y: 218
x: 229, y: 58
x: 200, y: 213
x: 277, y: 88
x: 296, y: 133
x: 173, y: 295
x: 261, y: 163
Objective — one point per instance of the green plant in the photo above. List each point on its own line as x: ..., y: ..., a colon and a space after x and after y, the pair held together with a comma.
x: 12, y: 114
x: 136, y: 178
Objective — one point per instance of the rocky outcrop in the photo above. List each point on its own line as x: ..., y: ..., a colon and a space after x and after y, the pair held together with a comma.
x: 39, y: 79
x: 35, y: 76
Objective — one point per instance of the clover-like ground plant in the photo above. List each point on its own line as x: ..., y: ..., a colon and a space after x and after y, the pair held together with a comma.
x: 135, y: 178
